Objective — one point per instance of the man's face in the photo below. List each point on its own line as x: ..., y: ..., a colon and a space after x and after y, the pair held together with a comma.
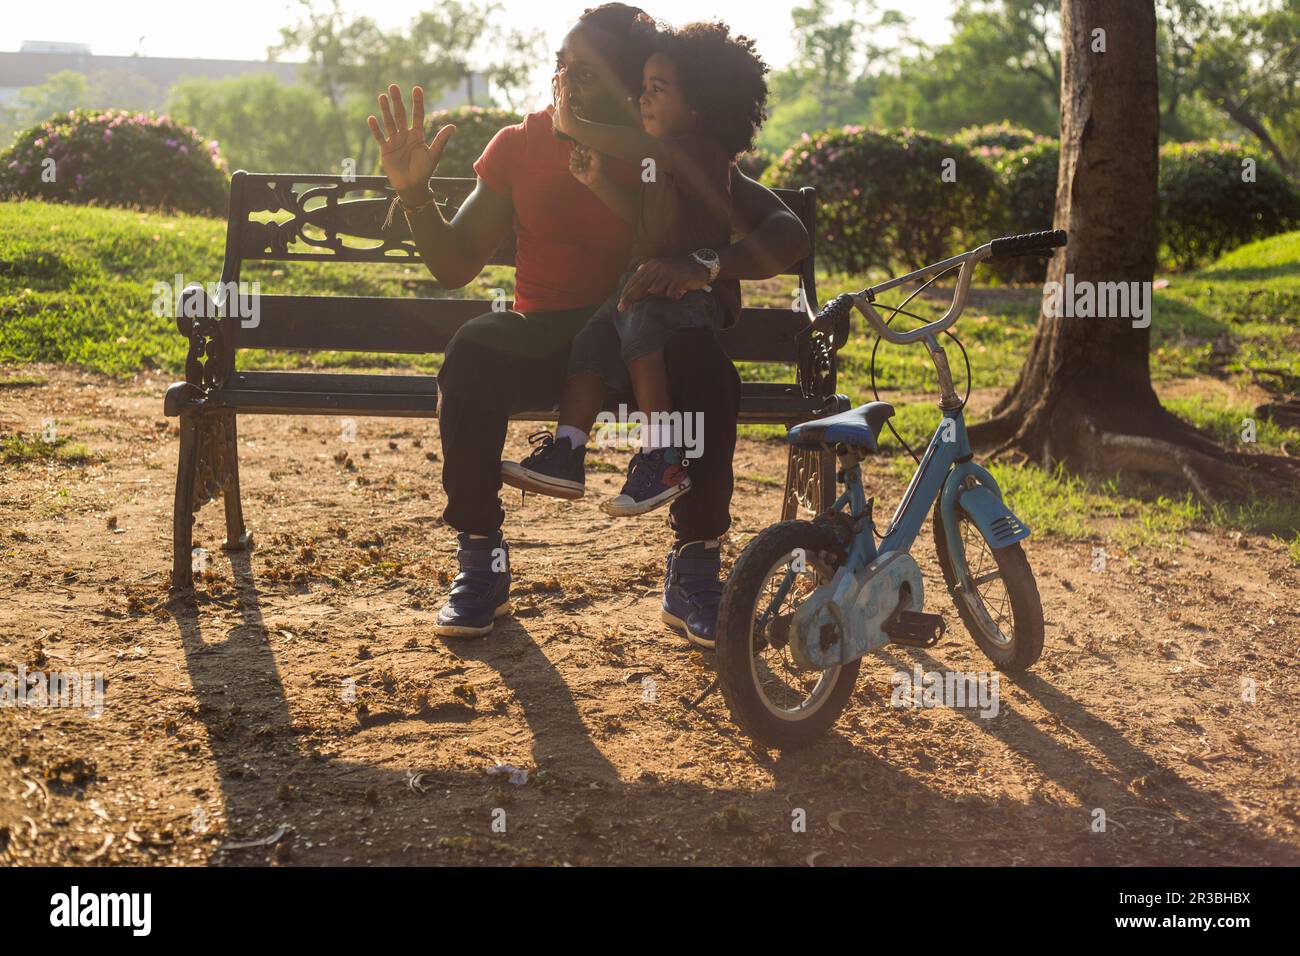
x: 598, y: 93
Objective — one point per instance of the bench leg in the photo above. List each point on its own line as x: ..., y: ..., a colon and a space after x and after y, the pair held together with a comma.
x: 809, y: 482
x: 183, y: 507
x: 237, y: 536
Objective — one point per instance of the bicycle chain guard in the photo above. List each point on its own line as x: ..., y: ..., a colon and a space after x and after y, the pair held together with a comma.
x: 844, y: 619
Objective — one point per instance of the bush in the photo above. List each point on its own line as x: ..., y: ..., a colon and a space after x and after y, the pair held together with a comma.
x: 1027, y: 177
x: 996, y: 139
x: 117, y: 158
x: 475, y: 127
x: 1207, y: 209
x: 882, y: 201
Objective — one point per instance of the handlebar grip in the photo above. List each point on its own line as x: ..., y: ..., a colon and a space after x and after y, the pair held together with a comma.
x: 1030, y: 244
x: 834, y: 318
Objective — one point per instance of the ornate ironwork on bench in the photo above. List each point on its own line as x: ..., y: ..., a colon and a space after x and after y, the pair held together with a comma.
x: 319, y: 218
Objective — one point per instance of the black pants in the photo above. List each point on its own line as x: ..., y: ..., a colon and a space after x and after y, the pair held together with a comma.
x: 505, y: 362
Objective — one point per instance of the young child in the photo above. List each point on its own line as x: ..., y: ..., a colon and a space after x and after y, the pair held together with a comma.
x: 701, y: 104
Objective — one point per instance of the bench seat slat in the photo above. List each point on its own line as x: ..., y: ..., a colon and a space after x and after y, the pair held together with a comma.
x: 350, y: 323
x: 424, y: 326
x: 347, y: 383
x: 416, y: 396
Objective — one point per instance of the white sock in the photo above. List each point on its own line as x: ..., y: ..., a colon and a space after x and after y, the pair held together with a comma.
x: 478, y: 537
x: 577, y: 437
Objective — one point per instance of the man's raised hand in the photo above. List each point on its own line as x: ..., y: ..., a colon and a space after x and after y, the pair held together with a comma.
x: 408, y: 162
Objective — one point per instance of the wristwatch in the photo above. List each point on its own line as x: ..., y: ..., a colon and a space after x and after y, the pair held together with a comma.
x: 709, y: 259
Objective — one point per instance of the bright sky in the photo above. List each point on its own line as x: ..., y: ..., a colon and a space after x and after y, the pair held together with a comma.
x: 243, y: 29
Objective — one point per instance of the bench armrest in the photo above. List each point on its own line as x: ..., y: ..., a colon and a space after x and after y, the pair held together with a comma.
x: 210, y: 355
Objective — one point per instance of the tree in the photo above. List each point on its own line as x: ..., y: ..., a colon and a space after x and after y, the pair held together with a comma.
x: 1001, y: 63
x: 350, y: 60
x: 1084, y: 395
x: 61, y: 92
x: 1247, y: 64
x: 828, y: 84
x: 262, y: 124
x: 827, y: 49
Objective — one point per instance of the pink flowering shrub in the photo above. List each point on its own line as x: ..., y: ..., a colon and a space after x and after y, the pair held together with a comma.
x: 992, y: 141
x: 475, y: 127
x: 883, y: 200
x: 116, y: 158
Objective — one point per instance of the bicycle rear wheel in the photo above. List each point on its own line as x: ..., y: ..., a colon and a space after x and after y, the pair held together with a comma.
x: 775, y: 701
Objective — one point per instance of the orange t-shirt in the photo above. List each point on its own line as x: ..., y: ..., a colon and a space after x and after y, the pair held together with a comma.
x: 570, y: 247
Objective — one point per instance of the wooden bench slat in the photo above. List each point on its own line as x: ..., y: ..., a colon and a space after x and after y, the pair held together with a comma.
x: 416, y: 396
x: 379, y: 324
x: 344, y: 383
x: 357, y: 323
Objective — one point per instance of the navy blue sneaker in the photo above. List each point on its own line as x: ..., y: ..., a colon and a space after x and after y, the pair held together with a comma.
x: 654, y: 478
x: 554, y: 468
x: 692, y: 591
x: 480, y: 593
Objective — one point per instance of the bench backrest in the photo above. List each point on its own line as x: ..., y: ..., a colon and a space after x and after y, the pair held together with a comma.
x: 324, y: 218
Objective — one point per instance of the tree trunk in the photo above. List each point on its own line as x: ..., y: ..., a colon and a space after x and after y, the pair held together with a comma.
x: 1084, y: 396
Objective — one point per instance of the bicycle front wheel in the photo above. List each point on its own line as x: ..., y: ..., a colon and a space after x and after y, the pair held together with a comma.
x: 1002, y: 610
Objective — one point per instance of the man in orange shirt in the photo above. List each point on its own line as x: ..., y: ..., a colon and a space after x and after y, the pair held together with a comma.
x: 570, y: 250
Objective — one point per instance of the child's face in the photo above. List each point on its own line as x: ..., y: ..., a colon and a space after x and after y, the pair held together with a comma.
x: 664, y: 111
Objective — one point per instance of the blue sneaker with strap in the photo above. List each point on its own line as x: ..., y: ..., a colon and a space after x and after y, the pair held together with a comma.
x: 480, y: 593
x: 553, y: 468
x: 692, y: 590
x: 654, y: 478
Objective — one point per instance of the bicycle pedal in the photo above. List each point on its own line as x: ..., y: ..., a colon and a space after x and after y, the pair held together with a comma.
x: 916, y: 629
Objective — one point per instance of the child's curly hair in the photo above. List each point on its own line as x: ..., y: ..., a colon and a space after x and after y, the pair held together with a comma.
x: 722, y: 79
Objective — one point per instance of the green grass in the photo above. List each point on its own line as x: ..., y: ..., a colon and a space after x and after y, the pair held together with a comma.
x: 1056, y: 503
x: 21, y: 449
x: 77, y: 288
x: 21, y: 381
x: 1226, y: 424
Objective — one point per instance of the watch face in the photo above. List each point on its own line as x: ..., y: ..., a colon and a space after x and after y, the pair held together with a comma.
x: 707, y: 257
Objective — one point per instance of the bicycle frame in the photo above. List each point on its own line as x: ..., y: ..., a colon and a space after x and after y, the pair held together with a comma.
x: 946, y: 472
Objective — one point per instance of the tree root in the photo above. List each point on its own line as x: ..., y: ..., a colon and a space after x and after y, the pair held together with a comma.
x: 1139, y: 437
x: 1214, y: 478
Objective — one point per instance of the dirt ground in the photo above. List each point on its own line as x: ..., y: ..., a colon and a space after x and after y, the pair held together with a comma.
x: 228, y: 720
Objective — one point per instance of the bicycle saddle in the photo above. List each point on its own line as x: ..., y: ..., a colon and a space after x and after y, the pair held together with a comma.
x: 857, y: 428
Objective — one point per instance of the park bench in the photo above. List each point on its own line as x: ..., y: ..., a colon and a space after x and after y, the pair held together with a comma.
x: 338, y: 219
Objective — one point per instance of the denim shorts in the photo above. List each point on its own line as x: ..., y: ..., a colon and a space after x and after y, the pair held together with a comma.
x: 611, y: 338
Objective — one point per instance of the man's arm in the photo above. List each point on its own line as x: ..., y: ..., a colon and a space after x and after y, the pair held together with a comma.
x: 455, y: 252
x: 774, y: 239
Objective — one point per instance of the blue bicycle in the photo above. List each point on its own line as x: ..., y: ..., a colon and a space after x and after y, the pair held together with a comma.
x: 807, y: 599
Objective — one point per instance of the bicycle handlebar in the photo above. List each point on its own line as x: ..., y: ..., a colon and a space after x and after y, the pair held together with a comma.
x: 836, y: 311
x: 1030, y: 244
